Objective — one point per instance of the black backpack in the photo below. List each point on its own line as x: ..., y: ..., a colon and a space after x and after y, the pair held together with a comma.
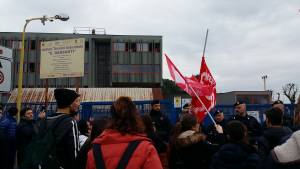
x: 41, y: 152
x: 124, y: 159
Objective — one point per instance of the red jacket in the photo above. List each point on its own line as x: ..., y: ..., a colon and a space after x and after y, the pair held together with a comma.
x: 113, y: 145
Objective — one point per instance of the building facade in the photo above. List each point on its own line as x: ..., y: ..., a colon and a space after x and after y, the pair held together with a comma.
x: 250, y: 97
x: 109, y: 60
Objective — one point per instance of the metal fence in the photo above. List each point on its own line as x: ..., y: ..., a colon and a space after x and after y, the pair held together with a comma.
x: 102, y: 109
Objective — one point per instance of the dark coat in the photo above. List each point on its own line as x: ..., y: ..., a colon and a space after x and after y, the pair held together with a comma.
x: 236, y: 156
x: 271, y: 138
x: 24, y: 134
x: 213, y: 136
x: 254, y: 128
x: 8, y: 126
x: 162, y: 125
x: 66, y: 134
x: 191, y: 152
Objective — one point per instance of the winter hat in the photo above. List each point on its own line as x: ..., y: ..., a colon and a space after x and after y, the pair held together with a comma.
x: 155, y: 102
x: 65, y: 97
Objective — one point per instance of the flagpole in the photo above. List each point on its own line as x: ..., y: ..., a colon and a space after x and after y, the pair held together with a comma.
x: 213, y: 120
x: 190, y: 88
x: 205, y: 43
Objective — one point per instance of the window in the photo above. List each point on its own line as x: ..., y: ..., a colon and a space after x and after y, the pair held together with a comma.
x: 157, y: 47
x: 120, y: 47
x: 133, y: 47
x: 31, y: 67
x: 143, y: 47
x: 32, y: 45
x: 86, y: 45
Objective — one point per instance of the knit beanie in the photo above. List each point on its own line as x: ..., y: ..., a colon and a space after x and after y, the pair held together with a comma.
x: 65, y: 97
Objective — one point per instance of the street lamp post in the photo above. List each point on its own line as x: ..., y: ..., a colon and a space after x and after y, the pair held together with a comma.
x: 20, y: 80
x: 265, y: 81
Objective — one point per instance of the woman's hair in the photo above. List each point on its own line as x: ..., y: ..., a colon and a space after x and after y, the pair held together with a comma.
x: 188, y: 121
x: 125, y: 117
x: 236, y: 130
x: 148, y: 123
x: 98, y: 126
x: 24, y: 110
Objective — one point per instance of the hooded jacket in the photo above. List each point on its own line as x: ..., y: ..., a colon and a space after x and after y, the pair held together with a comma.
x: 272, y: 137
x: 236, y: 156
x: 113, y: 145
x: 288, y: 152
x: 191, y: 151
x: 66, y: 134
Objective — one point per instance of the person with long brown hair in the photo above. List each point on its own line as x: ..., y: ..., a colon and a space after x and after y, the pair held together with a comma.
x: 123, y: 144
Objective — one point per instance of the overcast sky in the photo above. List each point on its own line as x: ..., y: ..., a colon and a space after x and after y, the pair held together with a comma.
x: 247, y: 38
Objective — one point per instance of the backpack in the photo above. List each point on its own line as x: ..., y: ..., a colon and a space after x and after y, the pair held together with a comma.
x: 41, y: 152
x: 98, y: 156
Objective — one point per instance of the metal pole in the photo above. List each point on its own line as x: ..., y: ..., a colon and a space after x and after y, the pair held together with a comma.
x: 205, y: 43
x: 213, y: 120
x: 46, y: 94
x: 20, y: 80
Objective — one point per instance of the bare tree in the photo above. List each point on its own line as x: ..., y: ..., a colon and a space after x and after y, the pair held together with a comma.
x: 290, y: 90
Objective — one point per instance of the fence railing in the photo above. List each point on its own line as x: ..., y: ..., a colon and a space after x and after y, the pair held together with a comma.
x: 102, y: 109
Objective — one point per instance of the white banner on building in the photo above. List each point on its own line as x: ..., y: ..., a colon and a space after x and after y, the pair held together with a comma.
x: 62, y: 58
x: 5, y: 69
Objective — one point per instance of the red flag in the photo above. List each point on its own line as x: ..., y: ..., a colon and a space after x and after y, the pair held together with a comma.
x: 209, y: 99
x: 185, y: 83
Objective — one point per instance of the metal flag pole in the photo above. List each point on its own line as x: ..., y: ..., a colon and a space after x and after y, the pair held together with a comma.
x: 212, y: 119
x: 205, y: 43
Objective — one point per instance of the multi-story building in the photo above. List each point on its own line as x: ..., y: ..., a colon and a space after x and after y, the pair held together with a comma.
x: 109, y: 60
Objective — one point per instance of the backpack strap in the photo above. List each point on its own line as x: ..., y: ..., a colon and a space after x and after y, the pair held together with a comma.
x: 98, y: 156
x: 127, y: 154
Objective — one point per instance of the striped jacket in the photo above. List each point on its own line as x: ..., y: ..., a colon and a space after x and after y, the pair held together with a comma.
x: 66, y: 134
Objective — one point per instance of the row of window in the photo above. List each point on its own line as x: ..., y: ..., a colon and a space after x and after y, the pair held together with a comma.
x: 136, y: 47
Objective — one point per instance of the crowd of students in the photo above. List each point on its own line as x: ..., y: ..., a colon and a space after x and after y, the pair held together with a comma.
x: 128, y: 139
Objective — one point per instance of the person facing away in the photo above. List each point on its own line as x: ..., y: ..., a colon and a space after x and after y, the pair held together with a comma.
x: 25, y: 132
x: 189, y: 149
x: 274, y: 133
x: 8, y: 125
x: 253, y: 127
x: 123, y: 144
x: 286, y: 121
x: 237, y: 153
x: 66, y: 131
x: 161, y: 122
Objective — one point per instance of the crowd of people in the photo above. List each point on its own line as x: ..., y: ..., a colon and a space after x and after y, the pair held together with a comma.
x: 128, y: 139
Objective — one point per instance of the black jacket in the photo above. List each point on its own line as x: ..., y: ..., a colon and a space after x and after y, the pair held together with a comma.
x: 236, y: 156
x: 191, y: 152
x: 24, y: 135
x: 66, y: 134
x: 213, y: 136
x: 162, y: 124
x: 254, y: 128
x: 271, y: 137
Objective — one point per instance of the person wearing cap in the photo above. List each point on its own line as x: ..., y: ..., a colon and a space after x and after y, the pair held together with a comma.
x: 185, y: 110
x: 160, y: 122
x: 212, y: 135
x: 287, y: 121
x: 66, y: 130
x: 254, y: 128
